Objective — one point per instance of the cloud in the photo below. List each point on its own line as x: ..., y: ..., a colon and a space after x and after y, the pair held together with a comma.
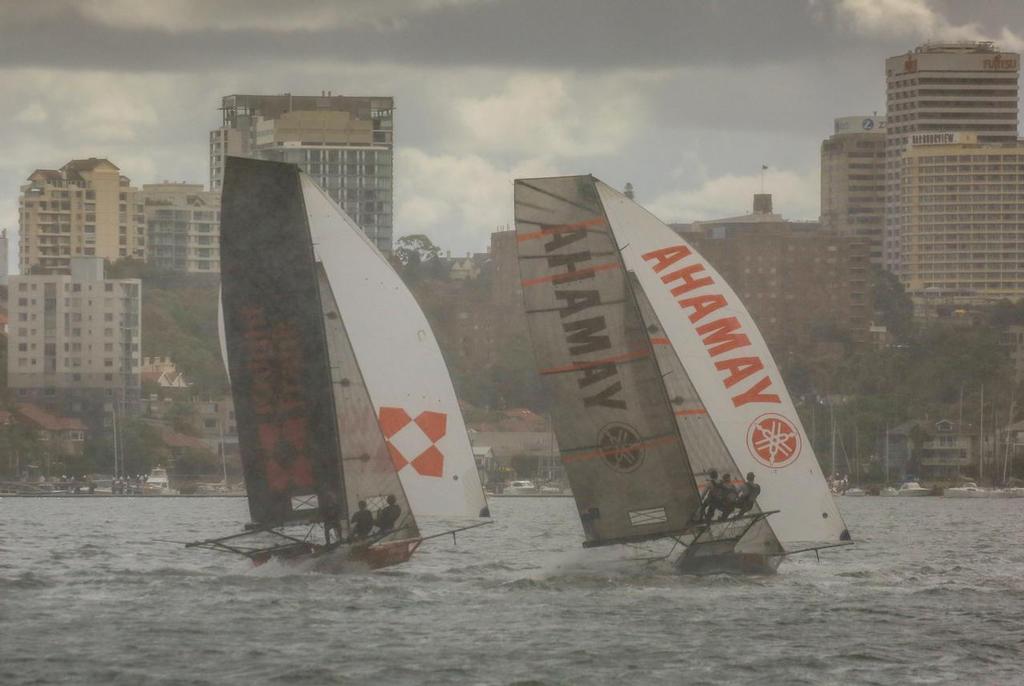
x: 552, y: 115
x: 919, y: 19
x: 33, y: 113
x: 457, y: 200
x: 795, y: 195
x: 184, y: 16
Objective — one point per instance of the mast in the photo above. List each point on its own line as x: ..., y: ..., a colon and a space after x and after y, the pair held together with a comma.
x: 885, y: 481
x: 981, y: 440
x: 223, y: 455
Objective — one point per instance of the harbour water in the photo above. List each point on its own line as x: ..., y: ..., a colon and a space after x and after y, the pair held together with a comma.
x: 932, y: 594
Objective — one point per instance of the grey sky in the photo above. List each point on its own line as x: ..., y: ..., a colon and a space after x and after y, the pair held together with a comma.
x: 684, y: 99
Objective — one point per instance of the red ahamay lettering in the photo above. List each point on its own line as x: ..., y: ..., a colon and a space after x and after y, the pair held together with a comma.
x: 744, y: 377
x: 274, y: 360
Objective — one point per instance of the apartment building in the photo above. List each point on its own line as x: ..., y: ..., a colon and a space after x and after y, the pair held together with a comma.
x: 805, y: 289
x: 853, y: 181
x: 941, y: 89
x: 346, y: 144
x: 74, y: 341
x: 962, y: 219
x: 182, y: 227
x: 86, y: 208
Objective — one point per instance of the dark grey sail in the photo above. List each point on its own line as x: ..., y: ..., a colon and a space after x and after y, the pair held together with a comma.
x: 704, y: 445
x: 619, y: 442
x: 276, y: 347
x: 365, y: 461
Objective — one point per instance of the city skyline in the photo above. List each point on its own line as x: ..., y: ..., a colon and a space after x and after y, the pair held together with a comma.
x: 688, y: 124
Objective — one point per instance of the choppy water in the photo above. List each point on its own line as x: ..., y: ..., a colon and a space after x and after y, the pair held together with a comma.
x: 933, y: 594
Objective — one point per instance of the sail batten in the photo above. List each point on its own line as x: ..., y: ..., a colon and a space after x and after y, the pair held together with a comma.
x: 622, y: 453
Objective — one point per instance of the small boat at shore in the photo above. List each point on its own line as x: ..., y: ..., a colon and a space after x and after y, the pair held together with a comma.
x: 912, y: 489
x: 968, y: 490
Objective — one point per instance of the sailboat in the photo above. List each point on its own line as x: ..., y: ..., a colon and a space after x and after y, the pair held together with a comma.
x: 659, y: 377
x: 315, y: 412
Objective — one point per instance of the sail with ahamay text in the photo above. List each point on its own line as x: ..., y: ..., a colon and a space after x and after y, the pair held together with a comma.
x: 619, y: 441
x: 734, y: 377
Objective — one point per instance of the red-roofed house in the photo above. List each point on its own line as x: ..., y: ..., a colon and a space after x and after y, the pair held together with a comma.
x: 63, y: 435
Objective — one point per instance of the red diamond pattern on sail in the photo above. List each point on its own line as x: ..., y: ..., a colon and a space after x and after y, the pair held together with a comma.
x: 418, y: 437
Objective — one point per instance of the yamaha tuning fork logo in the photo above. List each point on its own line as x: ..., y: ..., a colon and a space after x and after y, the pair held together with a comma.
x: 621, y: 447
x: 773, y: 440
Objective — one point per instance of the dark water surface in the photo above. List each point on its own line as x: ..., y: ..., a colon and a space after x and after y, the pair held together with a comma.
x: 933, y: 594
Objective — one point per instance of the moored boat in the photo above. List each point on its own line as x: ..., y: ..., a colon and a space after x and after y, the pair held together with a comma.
x: 912, y: 489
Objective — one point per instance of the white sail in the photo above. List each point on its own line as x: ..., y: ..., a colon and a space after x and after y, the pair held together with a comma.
x: 402, y: 365
x: 732, y: 370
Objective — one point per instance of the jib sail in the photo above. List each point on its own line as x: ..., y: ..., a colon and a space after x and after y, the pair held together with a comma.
x: 365, y: 462
x: 704, y: 445
x: 276, y: 346
x: 732, y: 371
x: 402, y: 366
x: 619, y: 442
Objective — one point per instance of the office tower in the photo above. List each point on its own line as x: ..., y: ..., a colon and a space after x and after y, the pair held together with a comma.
x: 935, y: 92
x: 853, y: 181
x: 346, y: 144
x: 182, y: 227
x: 86, y: 208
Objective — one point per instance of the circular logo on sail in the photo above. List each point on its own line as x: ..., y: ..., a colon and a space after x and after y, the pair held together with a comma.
x: 773, y: 440
x: 621, y: 447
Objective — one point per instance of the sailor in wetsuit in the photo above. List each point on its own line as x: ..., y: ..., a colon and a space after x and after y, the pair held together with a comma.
x: 748, y: 495
x: 726, y: 498
x: 331, y: 522
x: 362, y: 522
x: 389, y: 515
x: 709, y: 505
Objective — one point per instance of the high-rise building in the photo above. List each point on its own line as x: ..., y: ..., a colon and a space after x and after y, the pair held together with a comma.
x: 74, y: 340
x: 346, y: 144
x: 87, y: 208
x: 853, y: 181
x: 935, y: 92
x: 962, y: 221
x: 183, y: 227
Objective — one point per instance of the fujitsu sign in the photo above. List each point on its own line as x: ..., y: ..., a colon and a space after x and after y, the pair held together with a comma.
x: 1001, y: 63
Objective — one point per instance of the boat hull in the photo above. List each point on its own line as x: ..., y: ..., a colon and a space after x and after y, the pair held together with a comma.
x: 345, y: 557
x: 744, y: 564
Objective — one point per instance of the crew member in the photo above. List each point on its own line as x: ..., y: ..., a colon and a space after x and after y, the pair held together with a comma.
x: 748, y: 495
x: 711, y: 494
x: 332, y: 522
x: 727, y: 496
x: 362, y: 522
x: 389, y: 515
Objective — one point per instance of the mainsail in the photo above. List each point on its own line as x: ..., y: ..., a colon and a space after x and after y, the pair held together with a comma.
x: 369, y: 473
x: 277, y: 348
x: 404, y: 372
x: 620, y: 444
x: 735, y: 379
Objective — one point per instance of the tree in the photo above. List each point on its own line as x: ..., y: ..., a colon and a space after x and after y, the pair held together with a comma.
x: 415, y: 249
x: 893, y: 306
